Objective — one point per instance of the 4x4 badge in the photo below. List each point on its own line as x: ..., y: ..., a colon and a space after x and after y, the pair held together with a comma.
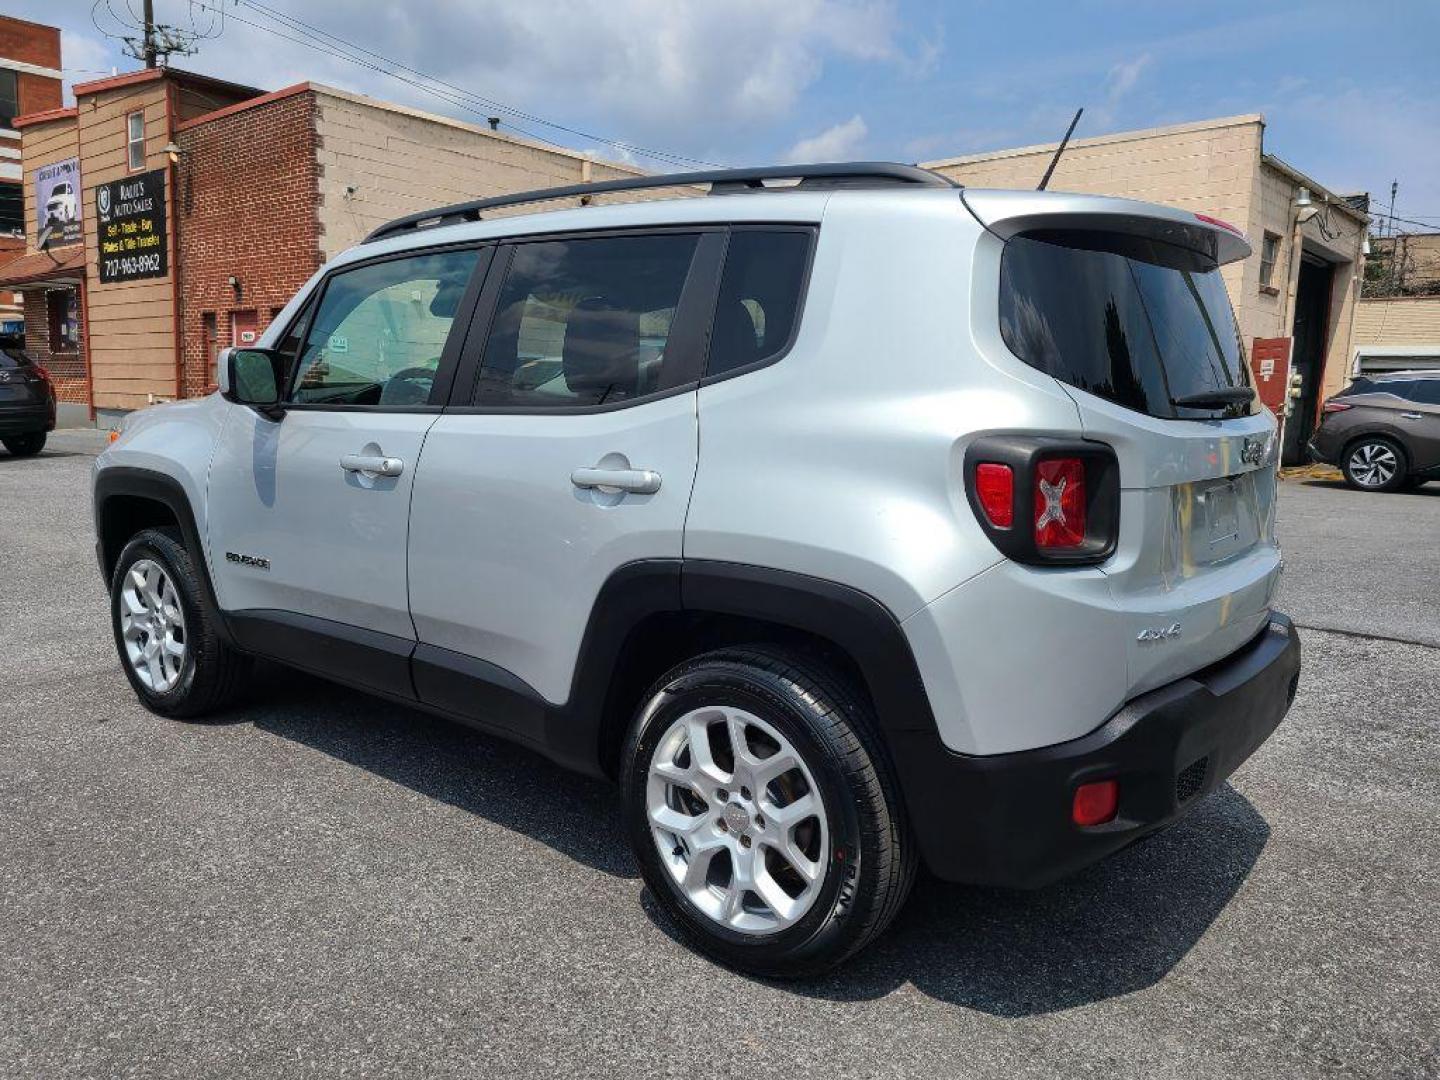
x: 1254, y: 449
x: 1159, y: 633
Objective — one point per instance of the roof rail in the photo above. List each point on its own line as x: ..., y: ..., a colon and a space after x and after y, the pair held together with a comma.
x: 721, y: 181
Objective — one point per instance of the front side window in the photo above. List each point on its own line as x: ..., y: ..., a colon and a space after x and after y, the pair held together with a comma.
x: 586, y: 322
x: 378, y: 334
x: 1139, y: 322
x: 135, y: 140
x: 759, y: 297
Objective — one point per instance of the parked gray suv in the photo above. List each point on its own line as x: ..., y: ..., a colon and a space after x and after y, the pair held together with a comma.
x: 1383, y: 431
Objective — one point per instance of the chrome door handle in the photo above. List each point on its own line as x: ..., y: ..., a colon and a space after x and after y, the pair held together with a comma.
x: 372, y: 464
x: 1411, y: 416
x: 635, y: 481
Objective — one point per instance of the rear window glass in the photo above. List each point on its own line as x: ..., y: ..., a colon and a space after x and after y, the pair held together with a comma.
x: 12, y: 356
x: 1139, y: 322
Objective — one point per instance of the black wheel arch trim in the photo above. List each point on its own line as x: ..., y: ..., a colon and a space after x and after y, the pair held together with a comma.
x: 128, y: 482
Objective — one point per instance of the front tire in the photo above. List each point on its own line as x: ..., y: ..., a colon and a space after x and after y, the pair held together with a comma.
x: 763, y: 812
x: 176, y: 662
x: 27, y: 445
x: 1375, y: 463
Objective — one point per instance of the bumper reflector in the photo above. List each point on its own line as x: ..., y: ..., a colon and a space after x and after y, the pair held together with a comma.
x: 1095, y: 803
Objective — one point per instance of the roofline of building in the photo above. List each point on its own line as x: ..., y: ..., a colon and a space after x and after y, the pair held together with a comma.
x: 1331, y: 198
x: 32, y: 22
x: 1101, y: 140
x: 45, y: 117
x: 241, y: 106
x: 461, y: 125
x: 64, y: 268
x: 144, y: 75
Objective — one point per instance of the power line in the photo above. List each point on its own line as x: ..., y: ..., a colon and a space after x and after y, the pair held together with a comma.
x: 313, y: 37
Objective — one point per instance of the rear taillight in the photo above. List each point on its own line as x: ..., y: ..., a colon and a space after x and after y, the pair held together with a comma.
x: 1059, y: 503
x: 1336, y: 406
x: 1044, y: 500
x: 995, y: 488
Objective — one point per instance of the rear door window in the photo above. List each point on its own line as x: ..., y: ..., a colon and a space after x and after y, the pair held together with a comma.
x: 587, y: 322
x: 1139, y: 322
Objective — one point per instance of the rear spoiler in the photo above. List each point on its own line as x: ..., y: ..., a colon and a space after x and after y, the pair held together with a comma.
x: 1007, y: 213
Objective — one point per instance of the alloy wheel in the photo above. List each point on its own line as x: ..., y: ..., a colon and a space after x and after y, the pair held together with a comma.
x: 738, y: 819
x: 1373, y: 464
x: 152, y: 626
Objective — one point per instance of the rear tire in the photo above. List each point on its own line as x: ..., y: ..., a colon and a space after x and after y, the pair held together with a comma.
x: 176, y: 662
x: 1375, y: 463
x: 824, y: 843
x: 27, y: 445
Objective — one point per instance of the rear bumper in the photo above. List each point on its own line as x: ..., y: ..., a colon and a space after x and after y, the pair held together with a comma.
x: 1005, y: 819
x: 21, y: 419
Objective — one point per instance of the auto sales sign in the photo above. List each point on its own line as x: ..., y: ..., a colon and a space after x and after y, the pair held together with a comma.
x: 131, y: 213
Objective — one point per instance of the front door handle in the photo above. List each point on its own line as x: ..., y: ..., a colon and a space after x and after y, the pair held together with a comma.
x: 372, y: 464
x: 1411, y: 416
x: 635, y: 481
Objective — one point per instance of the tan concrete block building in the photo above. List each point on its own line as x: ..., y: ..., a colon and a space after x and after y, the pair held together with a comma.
x: 1303, y: 280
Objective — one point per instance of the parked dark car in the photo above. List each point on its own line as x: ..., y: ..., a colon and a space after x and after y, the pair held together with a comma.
x: 27, y: 400
x: 1383, y: 431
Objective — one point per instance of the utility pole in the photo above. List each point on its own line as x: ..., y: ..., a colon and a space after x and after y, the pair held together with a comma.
x: 1394, y: 243
x: 149, y: 52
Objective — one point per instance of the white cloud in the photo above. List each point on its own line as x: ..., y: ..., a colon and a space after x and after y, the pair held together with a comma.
x: 1124, y: 76
x: 693, y: 78
x: 838, y: 143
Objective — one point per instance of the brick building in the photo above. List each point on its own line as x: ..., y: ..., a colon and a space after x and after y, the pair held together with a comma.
x: 204, y: 205
x: 29, y: 82
x: 1295, y: 297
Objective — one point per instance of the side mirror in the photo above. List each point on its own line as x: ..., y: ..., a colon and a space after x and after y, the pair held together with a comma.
x: 253, y: 377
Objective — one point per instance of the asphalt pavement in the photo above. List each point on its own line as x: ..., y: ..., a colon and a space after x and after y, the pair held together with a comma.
x: 319, y: 883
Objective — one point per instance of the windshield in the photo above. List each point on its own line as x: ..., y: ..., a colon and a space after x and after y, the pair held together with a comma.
x: 1139, y: 322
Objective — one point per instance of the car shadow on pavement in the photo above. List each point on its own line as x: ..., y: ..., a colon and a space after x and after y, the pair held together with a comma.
x: 507, y: 784
x: 1112, y: 929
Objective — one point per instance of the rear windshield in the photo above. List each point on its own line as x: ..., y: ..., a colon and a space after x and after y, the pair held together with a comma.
x: 1136, y: 321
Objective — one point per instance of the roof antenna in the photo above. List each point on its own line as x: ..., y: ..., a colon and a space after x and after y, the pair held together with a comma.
x: 1060, y: 150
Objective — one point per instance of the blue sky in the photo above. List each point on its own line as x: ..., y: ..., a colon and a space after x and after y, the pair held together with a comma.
x: 1351, y: 91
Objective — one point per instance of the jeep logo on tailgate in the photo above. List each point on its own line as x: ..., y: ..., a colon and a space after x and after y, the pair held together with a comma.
x: 1253, y: 452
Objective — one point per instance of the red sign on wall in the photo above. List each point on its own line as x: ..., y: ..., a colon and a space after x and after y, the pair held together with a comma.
x: 1270, y: 366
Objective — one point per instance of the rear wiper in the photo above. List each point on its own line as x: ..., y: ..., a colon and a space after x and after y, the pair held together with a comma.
x: 1215, y: 399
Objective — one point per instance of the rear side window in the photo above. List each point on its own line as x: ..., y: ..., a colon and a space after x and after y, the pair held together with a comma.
x: 1136, y: 321
x: 586, y: 322
x: 760, y: 293
x: 1424, y: 391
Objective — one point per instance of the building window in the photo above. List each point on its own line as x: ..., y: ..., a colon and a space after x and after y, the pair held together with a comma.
x: 1269, y: 254
x: 64, y: 313
x: 9, y: 98
x: 12, y: 210
x: 135, y: 140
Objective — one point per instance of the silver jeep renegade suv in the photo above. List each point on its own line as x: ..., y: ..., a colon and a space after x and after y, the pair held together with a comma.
x: 849, y: 523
